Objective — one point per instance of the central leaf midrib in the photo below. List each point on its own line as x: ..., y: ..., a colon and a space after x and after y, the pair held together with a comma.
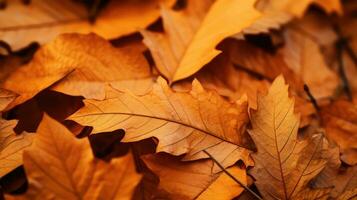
x: 161, y: 118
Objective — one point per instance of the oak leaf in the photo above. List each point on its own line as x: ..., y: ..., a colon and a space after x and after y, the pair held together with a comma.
x: 191, y: 35
x: 83, y: 63
x: 11, y: 146
x: 184, y: 123
x: 59, y: 166
x: 194, y: 180
x: 283, y: 164
x: 42, y: 20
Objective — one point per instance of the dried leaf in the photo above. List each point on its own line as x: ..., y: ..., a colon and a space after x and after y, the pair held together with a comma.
x: 42, y: 20
x: 83, y: 63
x: 192, y: 34
x: 340, y: 122
x: 11, y: 146
x: 6, y: 97
x: 59, y: 166
x: 303, y: 56
x: 194, y: 180
x: 262, y: 63
x: 298, y: 8
x: 184, y: 123
x: 316, y: 194
x: 283, y: 165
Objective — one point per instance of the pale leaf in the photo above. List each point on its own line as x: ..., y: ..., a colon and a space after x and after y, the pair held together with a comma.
x: 184, y: 123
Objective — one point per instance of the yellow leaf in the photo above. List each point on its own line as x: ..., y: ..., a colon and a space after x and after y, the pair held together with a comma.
x: 83, y: 63
x: 191, y: 35
x: 184, y: 123
x: 283, y: 164
x: 43, y: 20
x: 11, y: 146
x: 59, y: 166
x: 195, y: 180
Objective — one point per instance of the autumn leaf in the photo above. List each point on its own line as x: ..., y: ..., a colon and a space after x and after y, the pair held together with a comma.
x: 6, y: 97
x: 340, y: 122
x: 59, y: 166
x: 298, y: 8
x: 83, y: 63
x: 42, y: 21
x: 11, y: 146
x: 184, y: 123
x: 283, y: 164
x: 261, y: 63
x: 303, y: 56
x: 191, y: 35
x: 194, y: 180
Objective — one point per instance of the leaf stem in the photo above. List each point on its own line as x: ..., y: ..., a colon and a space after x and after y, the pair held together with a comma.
x: 231, y: 176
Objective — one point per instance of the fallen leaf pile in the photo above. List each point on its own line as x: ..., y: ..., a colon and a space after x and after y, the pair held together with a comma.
x: 178, y: 99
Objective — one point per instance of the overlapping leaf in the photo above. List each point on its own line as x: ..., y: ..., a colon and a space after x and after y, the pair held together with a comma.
x: 303, y: 56
x: 194, y: 180
x: 191, y: 35
x: 83, y: 63
x: 59, y: 166
x: 11, y: 146
x: 184, y: 123
x: 283, y: 164
x: 43, y: 20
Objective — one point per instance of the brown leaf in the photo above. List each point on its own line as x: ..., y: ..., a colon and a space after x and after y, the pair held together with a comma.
x: 316, y: 194
x: 283, y: 165
x: 261, y: 63
x: 6, y: 97
x: 42, y: 21
x: 192, y: 34
x: 184, y: 123
x: 59, y: 166
x: 303, y: 56
x: 83, y: 63
x: 298, y: 8
x: 194, y: 180
x: 340, y: 122
x: 11, y: 146
x: 220, y: 75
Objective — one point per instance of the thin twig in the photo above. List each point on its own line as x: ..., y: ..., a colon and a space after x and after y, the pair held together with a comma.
x: 346, y: 87
x: 231, y: 176
x: 351, y: 53
x: 312, y: 98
